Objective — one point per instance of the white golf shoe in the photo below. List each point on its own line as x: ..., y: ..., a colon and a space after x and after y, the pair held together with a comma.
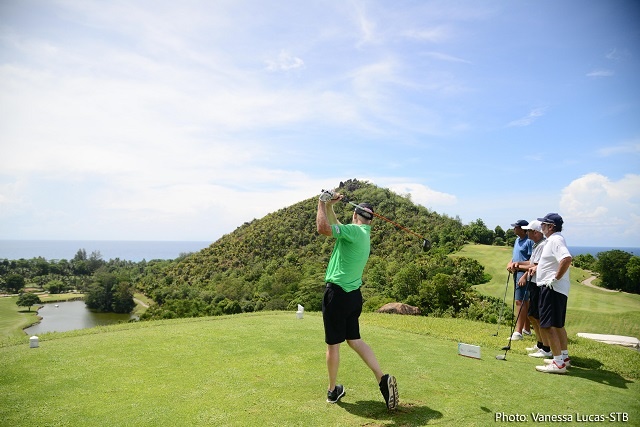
x: 541, y: 354
x: 517, y: 336
x: 567, y: 362
x: 552, y: 368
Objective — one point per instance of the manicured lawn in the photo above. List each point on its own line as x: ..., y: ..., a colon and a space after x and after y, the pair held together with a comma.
x: 269, y: 369
x: 13, y: 318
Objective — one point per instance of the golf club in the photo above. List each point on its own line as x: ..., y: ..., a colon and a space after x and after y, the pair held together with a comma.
x: 504, y: 299
x: 426, y: 244
x: 508, y: 347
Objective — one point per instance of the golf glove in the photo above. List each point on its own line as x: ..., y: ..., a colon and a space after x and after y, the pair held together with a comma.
x: 550, y: 283
x: 326, y: 195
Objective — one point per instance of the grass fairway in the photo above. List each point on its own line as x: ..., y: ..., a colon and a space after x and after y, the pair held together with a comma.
x: 14, y: 318
x: 269, y: 369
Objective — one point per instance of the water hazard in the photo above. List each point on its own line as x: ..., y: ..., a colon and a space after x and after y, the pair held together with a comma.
x: 70, y: 315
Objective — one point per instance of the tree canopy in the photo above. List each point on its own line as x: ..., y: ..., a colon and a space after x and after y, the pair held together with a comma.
x: 28, y: 299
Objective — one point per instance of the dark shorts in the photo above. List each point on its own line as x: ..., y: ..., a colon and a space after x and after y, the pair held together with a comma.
x: 553, y: 308
x: 520, y: 294
x: 534, y: 298
x: 340, y: 312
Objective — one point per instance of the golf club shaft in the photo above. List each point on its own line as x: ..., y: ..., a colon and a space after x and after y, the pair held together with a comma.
x: 388, y: 220
x: 526, y: 290
x: 504, y: 299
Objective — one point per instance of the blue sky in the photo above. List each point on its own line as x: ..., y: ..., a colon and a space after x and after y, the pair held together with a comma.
x: 159, y: 120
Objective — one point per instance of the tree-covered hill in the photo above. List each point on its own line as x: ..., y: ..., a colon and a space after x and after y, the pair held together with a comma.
x: 278, y: 261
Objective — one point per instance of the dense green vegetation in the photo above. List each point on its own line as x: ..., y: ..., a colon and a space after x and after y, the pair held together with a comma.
x: 278, y: 262
x: 617, y: 269
x: 108, y: 285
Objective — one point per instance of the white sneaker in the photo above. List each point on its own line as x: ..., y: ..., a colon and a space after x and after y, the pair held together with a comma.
x: 552, y: 368
x: 541, y: 354
x: 533, y: 349
x: 517, y: 336
x: 567, y: 362
x: 525, y: 332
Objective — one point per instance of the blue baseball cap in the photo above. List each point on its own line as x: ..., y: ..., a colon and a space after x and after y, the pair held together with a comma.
x: 552, y: 218
x: 520, y: 223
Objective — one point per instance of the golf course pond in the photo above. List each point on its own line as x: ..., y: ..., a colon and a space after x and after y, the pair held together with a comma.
x: 70, y: 315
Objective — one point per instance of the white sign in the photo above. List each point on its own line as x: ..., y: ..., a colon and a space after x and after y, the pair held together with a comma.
x: 469, y: 350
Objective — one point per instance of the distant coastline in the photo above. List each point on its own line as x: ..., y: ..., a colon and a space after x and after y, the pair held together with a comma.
x: 128, y: 250
x: 594, y: 250
x: 138, y: 250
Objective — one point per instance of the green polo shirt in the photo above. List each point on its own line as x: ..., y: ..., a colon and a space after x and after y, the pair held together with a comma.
x: 349, y: 256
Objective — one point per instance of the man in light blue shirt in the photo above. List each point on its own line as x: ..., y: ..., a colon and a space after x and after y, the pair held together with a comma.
x: 522, y: 250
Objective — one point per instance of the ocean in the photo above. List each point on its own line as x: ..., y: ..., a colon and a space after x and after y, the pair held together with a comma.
x: 109, y: 249
x: 594, y: 250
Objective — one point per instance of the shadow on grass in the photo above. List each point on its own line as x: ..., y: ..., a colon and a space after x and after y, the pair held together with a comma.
x: 590, y: 369
x: 405, y: 414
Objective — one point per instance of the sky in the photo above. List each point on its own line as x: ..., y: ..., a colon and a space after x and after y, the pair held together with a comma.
x: 166, y: 120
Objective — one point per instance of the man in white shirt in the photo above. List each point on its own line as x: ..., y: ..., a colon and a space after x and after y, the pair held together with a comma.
x: 553, y: 274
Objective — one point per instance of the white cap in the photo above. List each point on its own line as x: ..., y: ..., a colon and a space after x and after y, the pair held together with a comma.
x: 533, y: 225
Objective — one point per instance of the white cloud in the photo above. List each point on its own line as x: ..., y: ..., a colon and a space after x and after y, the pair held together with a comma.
x: 533, y: 115
x: 600, y: 73
x: 445, y: 57
x: 603, y: 210
x: 420, y: 193
x: 632, y: 147
x: 285, y: 62
x: 436, y: 34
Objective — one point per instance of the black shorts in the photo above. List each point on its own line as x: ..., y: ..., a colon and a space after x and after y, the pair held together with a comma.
x: 340, y: 313
x: 553, y: 308
x: 534, y: 298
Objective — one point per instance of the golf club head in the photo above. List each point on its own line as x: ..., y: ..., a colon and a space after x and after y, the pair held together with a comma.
x: 426, y: 245
x: 501, y: 357
x: 506, y: 348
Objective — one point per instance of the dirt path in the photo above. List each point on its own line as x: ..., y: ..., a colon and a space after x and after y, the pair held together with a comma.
x: 587, y: 282
x: 141, y: 303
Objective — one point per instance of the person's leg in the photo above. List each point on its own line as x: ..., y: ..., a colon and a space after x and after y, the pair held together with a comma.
x: 554, y: 341
x: 544, y: 337
x: 366, y: 354
x: 333, y: 363
x: 536, y: 327
x: 564, y: 341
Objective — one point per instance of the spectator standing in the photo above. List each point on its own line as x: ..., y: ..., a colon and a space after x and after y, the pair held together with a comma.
x: 522, y: 250
x: 553, y: 273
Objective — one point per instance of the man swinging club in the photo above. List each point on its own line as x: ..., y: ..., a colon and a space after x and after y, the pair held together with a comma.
x: 342, y: 301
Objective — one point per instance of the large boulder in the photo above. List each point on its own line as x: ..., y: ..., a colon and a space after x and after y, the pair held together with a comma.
x: 399, y: 308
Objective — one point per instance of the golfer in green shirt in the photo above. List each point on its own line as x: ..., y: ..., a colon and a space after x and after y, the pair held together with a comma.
x: 342, y: 302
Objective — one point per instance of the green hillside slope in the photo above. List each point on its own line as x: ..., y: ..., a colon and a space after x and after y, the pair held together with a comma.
x: 278, y: 261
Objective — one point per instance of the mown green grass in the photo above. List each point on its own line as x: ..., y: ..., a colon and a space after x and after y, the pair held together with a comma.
x: 269, y: 369
x: 13, y: 318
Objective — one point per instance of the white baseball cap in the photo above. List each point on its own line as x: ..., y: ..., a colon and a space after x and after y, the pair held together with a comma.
x: 533, y: 225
